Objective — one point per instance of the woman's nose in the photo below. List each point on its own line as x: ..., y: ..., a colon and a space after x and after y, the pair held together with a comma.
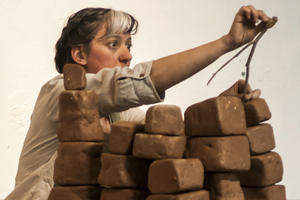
x: 125, y: 57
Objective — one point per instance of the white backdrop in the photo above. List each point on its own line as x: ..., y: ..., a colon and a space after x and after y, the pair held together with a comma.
x: 29, y: 30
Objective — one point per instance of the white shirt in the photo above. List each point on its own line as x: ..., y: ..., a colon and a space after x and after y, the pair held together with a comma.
x: 118, y: 90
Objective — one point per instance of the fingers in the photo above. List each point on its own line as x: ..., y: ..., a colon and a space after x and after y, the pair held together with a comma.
x: 262, y: 16
x: 241, y: 87
x: 256, y: 93
x: 237, y: 89
x: 251, y: 14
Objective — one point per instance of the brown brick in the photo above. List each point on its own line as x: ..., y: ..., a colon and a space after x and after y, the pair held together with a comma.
x: 273, y: 192
x: 75, y: 104
x: 195, y: 195
x: 123, y: 171
x: 220, y: 154
x: 84, y: 192
x: 261, y: 138
x: 266, y: 169
x: 257, y: 111
x: 164, y: 120
x: 223, y: 186
x: 80, y: 130
x: 219, y: 116
x: 74, y: 77
x: 123, y: 194
x: 122, y: 135
x: 175, y: 175
x: 158, y: 146
x: 77, y: 163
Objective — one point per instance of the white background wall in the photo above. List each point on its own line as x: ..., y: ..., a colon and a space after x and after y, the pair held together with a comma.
x: 29, y: 30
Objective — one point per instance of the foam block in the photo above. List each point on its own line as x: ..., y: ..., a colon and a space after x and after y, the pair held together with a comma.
x: 261, y: 138
x: 273, y: 192
x: 122, y: 135
x: 266, y: 169
x: 123, y: 171
x: 175, y: 175
x: 158, y: 146
x: 219, y: 116
x: 77, y: 163
x: 223, y: 186
x: 85, y: 192
x: 80, y: 130
x: 195, y: 195
x: 82, y: 104
x: 257, y: 111
x: 74, y: 77
x: 124, y: 194
x: 220, y: 154
x: 164, y: 120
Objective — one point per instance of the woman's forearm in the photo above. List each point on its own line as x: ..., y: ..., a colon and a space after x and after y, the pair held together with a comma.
x: 170, y: 70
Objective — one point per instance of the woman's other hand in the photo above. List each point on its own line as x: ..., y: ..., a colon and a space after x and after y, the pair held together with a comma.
x: 237, y: 89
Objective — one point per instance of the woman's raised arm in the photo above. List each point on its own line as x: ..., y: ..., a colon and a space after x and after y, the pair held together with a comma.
x: 170, y: 70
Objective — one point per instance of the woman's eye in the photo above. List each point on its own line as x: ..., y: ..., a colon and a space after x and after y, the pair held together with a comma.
x: 113, y: 44
x: 129, y: 46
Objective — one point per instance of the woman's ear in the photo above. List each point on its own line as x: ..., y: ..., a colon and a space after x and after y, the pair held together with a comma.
x: 79, y: 55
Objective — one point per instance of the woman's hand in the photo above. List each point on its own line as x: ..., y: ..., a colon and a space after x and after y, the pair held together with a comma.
x: 237, y: 90
x: 248, y: 22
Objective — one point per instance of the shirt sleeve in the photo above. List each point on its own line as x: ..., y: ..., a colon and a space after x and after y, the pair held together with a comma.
x: 121, y: 88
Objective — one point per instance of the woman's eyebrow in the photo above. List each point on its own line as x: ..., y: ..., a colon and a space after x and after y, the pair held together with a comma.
x: 113, y: 36
x: 107, y: 37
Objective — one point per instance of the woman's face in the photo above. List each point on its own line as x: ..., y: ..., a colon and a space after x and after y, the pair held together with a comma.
x: 109, y: 51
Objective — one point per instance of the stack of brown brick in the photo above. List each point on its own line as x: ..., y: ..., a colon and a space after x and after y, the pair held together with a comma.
x: 122, y: 175
x: 81, y: 140
x: 217, y: 136
x: 266, y: 165
x: 170, y: 176
x: 165, y: 158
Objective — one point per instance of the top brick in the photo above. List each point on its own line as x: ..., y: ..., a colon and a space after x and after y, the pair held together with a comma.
x: 74, y: 77
x: 218, y: 116
x: 164, y: 120
x: 257, y: 111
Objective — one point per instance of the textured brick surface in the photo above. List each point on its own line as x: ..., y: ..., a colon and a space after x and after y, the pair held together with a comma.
x: 261, y: 138
x: 158, y: 146
x: 220, y: 154
x: 273, y: 192
x: 122, y: 135
x: 77, y: 163
x: 80, y: 130
x: 74, y: 77
x: 123, y: 194
x: 164, y: 120
x: 175, y: 175
x: 75, y: 193
x: 123, y: 171
x: 81, y: 104
x: 266, y: 169
x: 223, y: 186
x: 217, y: 116
x: 257, y: 111
x: 195, y: 195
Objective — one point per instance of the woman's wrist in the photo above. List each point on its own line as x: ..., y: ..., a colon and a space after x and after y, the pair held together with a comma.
x: 228, y: 43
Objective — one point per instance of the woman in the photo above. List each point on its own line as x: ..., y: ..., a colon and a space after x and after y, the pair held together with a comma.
x: 100, y: 39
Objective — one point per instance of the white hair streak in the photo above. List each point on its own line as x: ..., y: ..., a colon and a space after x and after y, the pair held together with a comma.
x: 118, y: 22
